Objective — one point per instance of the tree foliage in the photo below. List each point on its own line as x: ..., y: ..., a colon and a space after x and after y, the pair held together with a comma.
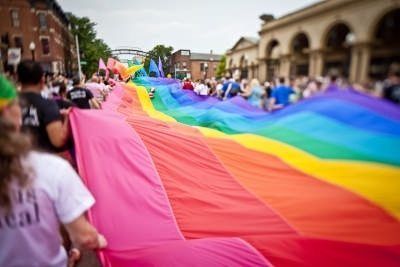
x: 221, y: 68
x: 162, y: 51
x: 91, y: 48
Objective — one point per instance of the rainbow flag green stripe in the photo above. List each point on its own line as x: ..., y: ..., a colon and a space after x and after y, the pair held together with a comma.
x: 309, y: 127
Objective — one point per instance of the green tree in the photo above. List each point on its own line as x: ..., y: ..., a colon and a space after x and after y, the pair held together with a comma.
x: 162, y: 51
x: 91, y: 48
x: 221, y: 68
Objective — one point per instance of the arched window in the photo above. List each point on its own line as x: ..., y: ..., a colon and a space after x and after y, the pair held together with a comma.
x: 244, y: 72
x: 273, y: 53
x: 300, y: 43
x: 388, y: 28
x: 386, y: 42
x: 273, y: 49
x: 300, y: 57
x: 337, y: 50
x: 336, y: 37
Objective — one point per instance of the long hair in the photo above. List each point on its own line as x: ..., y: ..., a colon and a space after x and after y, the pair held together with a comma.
x: 14, y: 146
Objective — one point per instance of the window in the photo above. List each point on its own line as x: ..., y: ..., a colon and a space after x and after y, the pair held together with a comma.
x: 14, y: 18
x: 42, y: 21
x: 202, y: 66
x: 45, y: 46
x: 18, y: 43
x: 5, y: 40
x: 185, y: 53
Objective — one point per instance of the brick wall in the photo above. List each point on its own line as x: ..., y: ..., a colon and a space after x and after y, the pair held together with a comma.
x: 196, y: 69
x: 179, y: 62
x: 192, y: 66
x: 61, y: 53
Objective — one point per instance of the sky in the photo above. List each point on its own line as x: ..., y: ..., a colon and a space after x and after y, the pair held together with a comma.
x: 198, y: 25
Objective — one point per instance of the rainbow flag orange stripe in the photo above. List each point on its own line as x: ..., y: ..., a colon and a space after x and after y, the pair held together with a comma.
x: 182, y: 179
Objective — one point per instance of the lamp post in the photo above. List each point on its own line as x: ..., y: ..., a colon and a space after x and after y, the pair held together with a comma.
x: 212, y: 66
x: 175, y: 70
x: 32, y: 47
x: 78, y: 57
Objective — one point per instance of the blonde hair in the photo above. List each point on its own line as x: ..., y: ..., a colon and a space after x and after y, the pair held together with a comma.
x: 254, y: 83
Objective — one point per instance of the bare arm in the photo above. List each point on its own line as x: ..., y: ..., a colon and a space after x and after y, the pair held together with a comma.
x: 83, y: 235
x: 95, y: 103
x: 247, y: 92
x: 58, y: 132
x: 271, y: 103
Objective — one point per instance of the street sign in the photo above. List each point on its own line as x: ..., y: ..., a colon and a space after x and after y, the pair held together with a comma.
x: 14, y: 56
x: 83, y: 63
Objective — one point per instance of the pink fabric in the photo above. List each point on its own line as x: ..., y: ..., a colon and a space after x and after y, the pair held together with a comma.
x: 95, y: 88
x: 200, y: 252
x: 102, y: 66
x: 132, y: 209
x: 110, y: 62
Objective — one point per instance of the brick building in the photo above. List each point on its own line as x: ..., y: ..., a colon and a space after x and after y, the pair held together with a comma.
x: 41, y: 29
x: 196, y: 66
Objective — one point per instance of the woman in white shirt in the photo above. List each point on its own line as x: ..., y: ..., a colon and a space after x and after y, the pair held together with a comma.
x: 38, y: 191
x: 201, y: 88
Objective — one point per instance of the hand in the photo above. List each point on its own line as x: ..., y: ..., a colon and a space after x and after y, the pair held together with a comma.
x: 65, y: 112
x: 101, y: 240
x: 74, y: 256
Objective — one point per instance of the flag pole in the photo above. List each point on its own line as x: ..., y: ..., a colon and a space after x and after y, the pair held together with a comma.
x: 79, y: 57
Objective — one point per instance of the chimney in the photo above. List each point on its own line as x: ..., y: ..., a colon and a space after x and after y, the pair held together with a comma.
x: 267, y: 17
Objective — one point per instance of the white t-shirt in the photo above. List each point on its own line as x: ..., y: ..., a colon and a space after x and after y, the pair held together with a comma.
x: 29, y: 234
x: 219, y: 87
x: 201, y: 89
x: 46, y: 93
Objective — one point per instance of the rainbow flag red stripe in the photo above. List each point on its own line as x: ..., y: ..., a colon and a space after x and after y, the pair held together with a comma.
x: 179, y: 180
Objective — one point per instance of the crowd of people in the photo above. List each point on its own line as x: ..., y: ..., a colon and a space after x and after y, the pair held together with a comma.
x: 280, y: 92
x: 39, y: 190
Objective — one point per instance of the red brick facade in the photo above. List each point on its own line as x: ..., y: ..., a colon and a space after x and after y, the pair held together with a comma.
x: 43, y: 23
x: 197, y: 66
x: 202, y: 69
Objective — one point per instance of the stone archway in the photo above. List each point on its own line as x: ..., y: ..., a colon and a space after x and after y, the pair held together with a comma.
x: 385, y: 44
x: 299, y: 61
x: 337, y: 51
x: 230, y: 68
x: 243, y: 66
x: 272, y: 61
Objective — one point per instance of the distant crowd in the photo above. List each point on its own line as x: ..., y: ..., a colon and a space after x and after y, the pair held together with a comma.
x: 280, y: 92
x: 69, y: 92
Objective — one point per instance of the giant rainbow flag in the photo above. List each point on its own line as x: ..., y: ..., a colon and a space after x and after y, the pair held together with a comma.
x: 185, y: 180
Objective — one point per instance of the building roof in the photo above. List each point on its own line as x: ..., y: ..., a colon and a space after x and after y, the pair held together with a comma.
x: 205, y: 56
x: 252, y: 40
x: 300, y: 10
x: 53, y: 5
x: 305, y: 12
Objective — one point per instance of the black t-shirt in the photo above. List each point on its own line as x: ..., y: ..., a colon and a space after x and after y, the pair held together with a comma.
x: 37, y: 113
x: 392, y: 93
x: 62, y: 103
x: 80, y: 97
